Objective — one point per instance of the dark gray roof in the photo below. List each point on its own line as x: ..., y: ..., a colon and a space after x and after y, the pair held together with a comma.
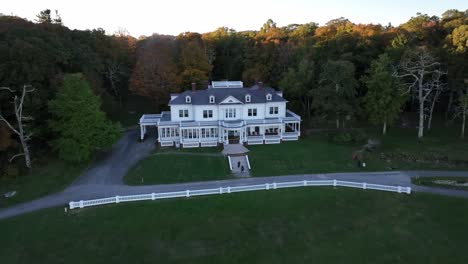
x: 202, y: 97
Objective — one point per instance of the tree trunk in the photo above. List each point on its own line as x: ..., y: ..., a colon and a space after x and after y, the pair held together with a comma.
x: 421, y: 109
x: 462, y: 134
x: 434, y: 100
x: 27, y: 155
x: 384, y: 128
x: 337, y: 123
x: 449, y: 105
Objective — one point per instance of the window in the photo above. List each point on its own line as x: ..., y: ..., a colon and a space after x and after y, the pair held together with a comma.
x: 247, y: 98
x: 252, y: 112
x: 273, y: 110
x: 212, y: 99
x: 183, y: 113
x: 230, y: 113
x: 268, y: 97
x: 188, y: 99
x: 207, y: 113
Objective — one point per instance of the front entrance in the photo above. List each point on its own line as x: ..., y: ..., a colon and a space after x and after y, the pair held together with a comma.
x: 233, y: 136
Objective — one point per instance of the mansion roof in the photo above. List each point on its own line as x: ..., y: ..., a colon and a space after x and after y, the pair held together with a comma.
x: 202, y: 97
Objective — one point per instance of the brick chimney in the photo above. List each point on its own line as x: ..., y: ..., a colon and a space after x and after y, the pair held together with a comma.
x: 194, y: 87
x: 260, y: 85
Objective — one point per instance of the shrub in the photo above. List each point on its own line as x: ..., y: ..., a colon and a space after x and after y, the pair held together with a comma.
x: 348, y: 136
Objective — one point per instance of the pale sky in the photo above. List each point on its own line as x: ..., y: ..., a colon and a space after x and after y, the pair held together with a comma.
x: 142, y: 17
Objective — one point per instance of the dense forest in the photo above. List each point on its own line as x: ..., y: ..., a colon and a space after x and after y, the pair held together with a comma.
x: 60, y: 87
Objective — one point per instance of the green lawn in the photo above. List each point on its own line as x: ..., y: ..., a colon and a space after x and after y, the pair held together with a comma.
x: 302, y: 225
x: 432, y: 181
x: 316, y: 154
x: 399, y: 150
x: 171, y: 165
x: 46, y: 177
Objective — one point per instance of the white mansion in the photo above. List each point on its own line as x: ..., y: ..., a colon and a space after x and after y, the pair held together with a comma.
x: 224, y: 113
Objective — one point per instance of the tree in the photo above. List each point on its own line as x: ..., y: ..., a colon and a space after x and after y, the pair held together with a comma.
x: 195, y: 59
x: 418, y: 66
x: 462, y: 111
x: 45, y: 17
x: 438, y: 86
x: 19, y: 129
x: 80, y: 124
x: 385, y: 98
x: 298, y: 83
x: 155, y: 72
x: 336, y: 94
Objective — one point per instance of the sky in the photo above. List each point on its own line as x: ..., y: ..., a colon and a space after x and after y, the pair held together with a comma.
x: 140, y: 17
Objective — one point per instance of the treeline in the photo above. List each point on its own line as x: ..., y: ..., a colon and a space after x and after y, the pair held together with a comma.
x: 339, y: 72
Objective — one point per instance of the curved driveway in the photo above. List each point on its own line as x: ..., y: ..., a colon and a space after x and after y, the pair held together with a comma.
x: 105, y: 179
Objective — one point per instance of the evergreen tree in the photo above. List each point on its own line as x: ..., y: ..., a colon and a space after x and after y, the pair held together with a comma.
x: 79, y: 122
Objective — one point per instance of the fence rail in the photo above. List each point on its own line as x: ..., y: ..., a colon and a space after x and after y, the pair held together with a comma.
x: 245, y: 188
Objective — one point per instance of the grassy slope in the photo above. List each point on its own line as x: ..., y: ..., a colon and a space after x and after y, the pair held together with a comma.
x: 47, y: 177
x: 303, y: 225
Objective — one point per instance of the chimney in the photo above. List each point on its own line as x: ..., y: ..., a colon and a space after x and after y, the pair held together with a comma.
x: 194, y: 87
x: 260, y: 85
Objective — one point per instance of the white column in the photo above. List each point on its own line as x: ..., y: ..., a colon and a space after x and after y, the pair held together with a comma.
x: 159, y: 134
x: 142, y: 134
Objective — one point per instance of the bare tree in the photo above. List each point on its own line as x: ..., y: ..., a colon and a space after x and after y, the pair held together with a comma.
x: 419, y: 67
x: 113, y: 74
x: 20, y: 119
x: 462, y: 110
x: 438, y: 87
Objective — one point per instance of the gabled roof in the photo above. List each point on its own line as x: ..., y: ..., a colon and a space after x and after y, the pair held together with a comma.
x: 202, y: 97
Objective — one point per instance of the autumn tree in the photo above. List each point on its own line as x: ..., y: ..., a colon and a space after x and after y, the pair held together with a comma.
x: 195, y: 59
x: 155, y: 72
x: 385, y: 95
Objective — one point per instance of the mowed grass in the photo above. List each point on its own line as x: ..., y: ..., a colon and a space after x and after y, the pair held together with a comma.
x: 311, y: 154
x: 317, y: 154
x: 301, y: 225
x: 162, y: 168
x: 46, y: 177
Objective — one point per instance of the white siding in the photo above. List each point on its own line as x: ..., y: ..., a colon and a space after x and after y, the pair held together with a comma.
x: 260, y: 111
x: 219, y: 111
x: 281, y: 110
x: 175, y: 112
x: 199, y: 112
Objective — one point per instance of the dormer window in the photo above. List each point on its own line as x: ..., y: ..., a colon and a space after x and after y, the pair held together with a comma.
x: 268, y: 97
x: 212, y: 99
x: 188, y: 99
x: 247, y: 98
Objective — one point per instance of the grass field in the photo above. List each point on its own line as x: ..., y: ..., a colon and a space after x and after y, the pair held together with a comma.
x: 399, y: 150
x: 48, y: 176
x: 302, y: 225
x: 315, y: 153
x: 169, y: 165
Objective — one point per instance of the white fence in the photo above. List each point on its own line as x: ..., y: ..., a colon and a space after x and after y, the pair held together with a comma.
x: 246, y: 188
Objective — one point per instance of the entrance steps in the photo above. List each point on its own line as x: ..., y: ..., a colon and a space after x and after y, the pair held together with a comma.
x: 237, y: 162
